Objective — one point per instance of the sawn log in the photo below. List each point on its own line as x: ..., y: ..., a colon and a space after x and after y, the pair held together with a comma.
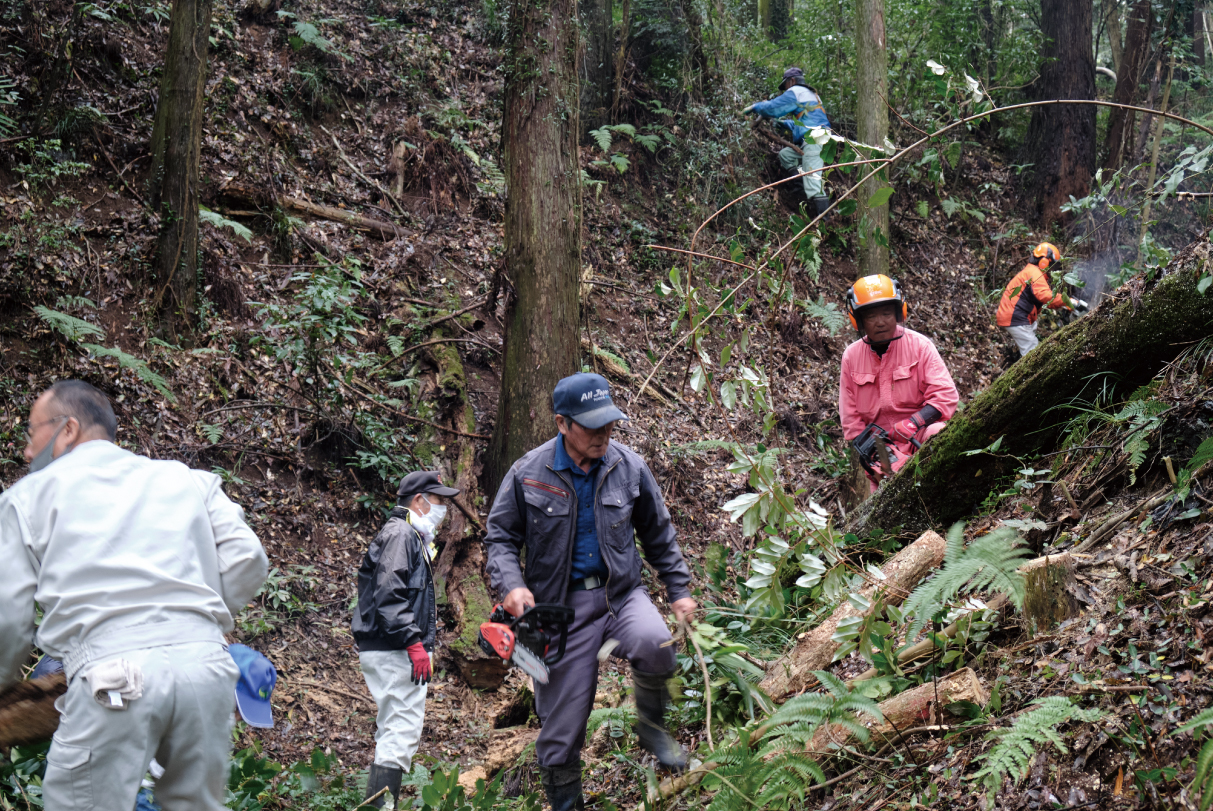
x: 815, y: 650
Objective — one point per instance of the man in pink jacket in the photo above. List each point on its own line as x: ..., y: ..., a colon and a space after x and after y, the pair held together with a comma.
x: 892, y: 376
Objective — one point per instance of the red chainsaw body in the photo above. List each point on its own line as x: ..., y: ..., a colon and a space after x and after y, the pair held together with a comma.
x: 500, y: 638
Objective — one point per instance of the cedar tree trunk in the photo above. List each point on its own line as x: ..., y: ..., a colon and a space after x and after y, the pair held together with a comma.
x: 872, y: 113
x: 596, y: 61
x: 1061, y: 139
x: 1136, y: 330
x: 176, y: 139
x: 1119, y: 143
x: 542, y: 226
x: 1111, y: 22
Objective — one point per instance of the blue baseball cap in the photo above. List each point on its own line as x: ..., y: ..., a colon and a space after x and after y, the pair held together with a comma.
x: 586, y: 399
x: 257, y: 680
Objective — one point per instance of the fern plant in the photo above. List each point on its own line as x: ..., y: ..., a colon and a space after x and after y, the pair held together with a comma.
x: 770, y: 767
x: 219, y: 221
x: 618, y: 721
x: 139, y: 367
x: 827, y: 313
x: 990, y: 562
x: 1143, y: 418
x: 1202, y: 780
x: 70, y: 327
x: 1017, y: 745
x: 1183, y: 481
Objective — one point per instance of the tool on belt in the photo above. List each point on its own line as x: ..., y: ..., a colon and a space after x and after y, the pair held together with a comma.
x: 873, y: 445
x: 531, y: 641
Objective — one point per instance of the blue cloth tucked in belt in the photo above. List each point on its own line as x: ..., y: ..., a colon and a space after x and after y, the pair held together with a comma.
x: 587, y: 558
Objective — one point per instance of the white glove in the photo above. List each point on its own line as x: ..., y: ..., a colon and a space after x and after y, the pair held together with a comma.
x: 1079, y: 304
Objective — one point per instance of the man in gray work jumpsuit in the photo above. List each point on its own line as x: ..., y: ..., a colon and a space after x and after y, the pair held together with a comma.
x: 577, y: 504
x: 138, y: 566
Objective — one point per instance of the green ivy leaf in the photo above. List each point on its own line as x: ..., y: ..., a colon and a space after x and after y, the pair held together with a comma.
x: 881, y: 197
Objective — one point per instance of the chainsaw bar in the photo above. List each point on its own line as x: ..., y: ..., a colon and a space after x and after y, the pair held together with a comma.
x: 530, y: 664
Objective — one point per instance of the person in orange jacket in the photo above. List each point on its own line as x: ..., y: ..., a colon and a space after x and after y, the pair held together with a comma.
x: 1026, y: 293
x: 892, y: 376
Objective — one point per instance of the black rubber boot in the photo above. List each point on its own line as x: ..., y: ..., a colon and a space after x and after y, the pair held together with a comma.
x: 380, y: 777
x: 820, y: 203
x: 652, y: 695
x: 562, y: 784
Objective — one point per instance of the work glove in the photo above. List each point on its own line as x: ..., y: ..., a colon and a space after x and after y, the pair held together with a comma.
x: 421, y: 663
x: 746, y: 110
x: 907, y: 428
x: 1080, y: 305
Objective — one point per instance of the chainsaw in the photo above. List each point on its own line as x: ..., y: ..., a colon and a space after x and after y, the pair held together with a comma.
x: 873, y: 445
x: 531, y: 641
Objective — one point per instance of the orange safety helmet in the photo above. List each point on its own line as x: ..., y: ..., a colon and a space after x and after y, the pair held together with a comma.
x: 1046, y: 253
x: 871, y: 291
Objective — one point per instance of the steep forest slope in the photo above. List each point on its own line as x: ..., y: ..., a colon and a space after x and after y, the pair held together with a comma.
x: 351, y: 329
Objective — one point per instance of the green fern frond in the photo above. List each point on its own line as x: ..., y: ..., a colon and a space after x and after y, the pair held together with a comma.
x: 827, y: 313
x: 1202, y: 781
x: 611, y: 356
x: 1183, y: 481
x: 1017, y: 745
x: 67, y: 302
x: 624, y: 129
x: 649, y: 142
x: 990, y: 562
x: 219, y: 221
x: 617, y: 719
x: 1203, y: 718
x: 602, y: 137
x: 1136, y: 446
x: 70, y: 327
x: 141, y: 369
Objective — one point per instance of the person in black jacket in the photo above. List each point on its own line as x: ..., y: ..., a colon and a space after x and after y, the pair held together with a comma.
x: 395, y: 625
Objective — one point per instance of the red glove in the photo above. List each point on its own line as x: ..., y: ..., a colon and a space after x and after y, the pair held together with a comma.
x: 421, y: 663
x: 907, y: 428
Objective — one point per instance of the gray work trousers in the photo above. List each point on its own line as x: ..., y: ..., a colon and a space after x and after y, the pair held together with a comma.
x: 184, y: 719
x: 400, y: 703
x: 1025, y: 337
x: 564, y: 703
x: 811, y: 159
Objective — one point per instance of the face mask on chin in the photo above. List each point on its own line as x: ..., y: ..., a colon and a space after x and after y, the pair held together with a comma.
x: 47, y: 454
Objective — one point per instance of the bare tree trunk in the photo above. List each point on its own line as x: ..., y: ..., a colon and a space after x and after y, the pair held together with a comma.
x: 176, y: 140
x: 1061, y: 139
x: 595, y: 67
x: 1119, y: 142
x: 872, y: 113
x: 542, y: 226
x: 780, y: 23
x: 621, y: 57
x: 1111, y: 22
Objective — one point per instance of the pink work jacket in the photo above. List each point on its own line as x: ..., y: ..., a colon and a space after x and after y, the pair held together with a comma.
x: 887, y: 390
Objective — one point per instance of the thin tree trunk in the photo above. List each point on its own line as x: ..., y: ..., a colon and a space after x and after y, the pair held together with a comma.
x: 621, y: 58
x: 1061, y: 138
x: 1119, y: 142
x: 596, y: 62
x: 1111, y: 22
x: 542, y: 226
x: 779, y: 26
x: 176, y: 141
x: 1136, y: 330
x: 872, y: 113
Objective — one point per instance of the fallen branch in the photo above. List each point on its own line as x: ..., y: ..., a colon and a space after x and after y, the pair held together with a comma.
x: 1112, y: 523
x: 384, y: 230
x: 365, y: 179
x: 815, y: 650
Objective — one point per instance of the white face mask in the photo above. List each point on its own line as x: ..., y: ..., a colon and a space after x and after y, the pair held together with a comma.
x: 428, y: 524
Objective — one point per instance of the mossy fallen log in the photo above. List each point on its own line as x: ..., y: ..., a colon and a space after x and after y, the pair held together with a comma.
x: 1136, y: 331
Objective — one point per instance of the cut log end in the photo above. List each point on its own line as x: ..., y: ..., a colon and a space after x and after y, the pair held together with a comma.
x: 1049, y: 591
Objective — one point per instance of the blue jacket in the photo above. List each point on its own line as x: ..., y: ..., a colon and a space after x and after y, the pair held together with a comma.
x: 799, y: 109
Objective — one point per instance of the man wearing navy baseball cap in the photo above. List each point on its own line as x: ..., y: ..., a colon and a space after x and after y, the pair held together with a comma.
x: 577, y: 504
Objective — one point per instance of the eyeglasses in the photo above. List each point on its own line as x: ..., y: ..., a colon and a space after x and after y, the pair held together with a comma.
x: 34, y: 426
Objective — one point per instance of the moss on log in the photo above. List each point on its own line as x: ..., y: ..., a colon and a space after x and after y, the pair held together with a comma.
x: 1137, y: 330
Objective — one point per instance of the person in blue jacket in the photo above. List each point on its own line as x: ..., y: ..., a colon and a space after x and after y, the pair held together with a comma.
x: 799, y: 110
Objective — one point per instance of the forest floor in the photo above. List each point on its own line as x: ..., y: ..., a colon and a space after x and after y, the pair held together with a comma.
x: 318, y: 121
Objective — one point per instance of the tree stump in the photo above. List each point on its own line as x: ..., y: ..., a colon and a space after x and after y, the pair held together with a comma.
x: 1049, y: 591
x: 27, y: 710
x: 816, y: 649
